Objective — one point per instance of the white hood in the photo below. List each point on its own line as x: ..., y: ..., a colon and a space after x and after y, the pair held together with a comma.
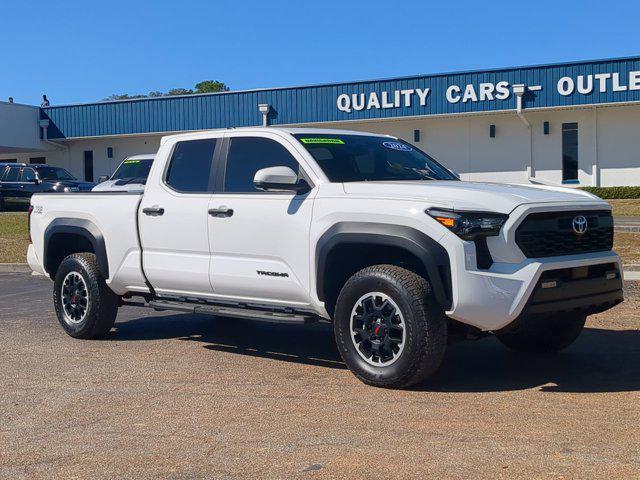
x: 493, y: 197
x: 110, y: 186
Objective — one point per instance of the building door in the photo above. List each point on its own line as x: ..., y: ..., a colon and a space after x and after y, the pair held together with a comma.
x: 88, y: 165
x: 569, y: 152
x: 38, y: 160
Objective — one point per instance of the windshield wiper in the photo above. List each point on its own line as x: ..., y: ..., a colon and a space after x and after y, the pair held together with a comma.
x: 141, y: 180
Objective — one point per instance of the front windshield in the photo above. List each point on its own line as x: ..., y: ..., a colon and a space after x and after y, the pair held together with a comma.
x: 53, y: 173
x: 358, y: 158
x: 133, y: 169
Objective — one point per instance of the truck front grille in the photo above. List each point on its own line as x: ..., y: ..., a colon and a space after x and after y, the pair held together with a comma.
x: 549, y: 234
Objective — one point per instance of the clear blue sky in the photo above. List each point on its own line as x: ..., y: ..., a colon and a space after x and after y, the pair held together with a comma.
x: 82, y: 51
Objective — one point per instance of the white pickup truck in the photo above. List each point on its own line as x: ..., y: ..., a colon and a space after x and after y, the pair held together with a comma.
x: 363, y: 230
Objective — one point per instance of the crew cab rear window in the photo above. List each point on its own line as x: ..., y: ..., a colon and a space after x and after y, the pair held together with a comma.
x: 247, y: 155
x: 190, y: 166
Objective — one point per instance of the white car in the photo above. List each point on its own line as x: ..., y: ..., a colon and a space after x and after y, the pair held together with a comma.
x: 362, y: 230
x: 130, y: 176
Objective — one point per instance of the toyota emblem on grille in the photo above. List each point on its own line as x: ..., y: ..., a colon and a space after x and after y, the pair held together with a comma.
x: 579, y: 224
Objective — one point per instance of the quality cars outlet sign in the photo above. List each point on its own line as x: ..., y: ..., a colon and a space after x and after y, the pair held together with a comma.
x: 470, y: 93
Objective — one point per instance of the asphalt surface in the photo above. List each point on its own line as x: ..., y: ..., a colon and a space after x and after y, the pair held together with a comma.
x: 181, y: 396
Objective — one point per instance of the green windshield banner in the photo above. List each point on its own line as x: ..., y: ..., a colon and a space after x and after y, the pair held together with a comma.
x: 331, y: 141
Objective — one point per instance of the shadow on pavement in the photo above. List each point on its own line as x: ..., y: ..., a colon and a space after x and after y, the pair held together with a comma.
x: 601, y: 360
x: 305, y: 344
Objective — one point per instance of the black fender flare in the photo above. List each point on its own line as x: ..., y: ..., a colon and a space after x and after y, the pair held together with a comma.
x: 433, y: 256
x: 80, y: 227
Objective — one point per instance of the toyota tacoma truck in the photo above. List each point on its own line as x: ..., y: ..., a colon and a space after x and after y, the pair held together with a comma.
x: 362, y: 230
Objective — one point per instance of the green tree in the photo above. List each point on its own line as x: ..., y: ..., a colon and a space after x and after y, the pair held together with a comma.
x: 211, y: 86
x: 124, y: 96
x: 178, y: 91
x: 206, y: 86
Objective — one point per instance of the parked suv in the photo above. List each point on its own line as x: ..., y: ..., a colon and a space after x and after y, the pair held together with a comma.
x: 18, y: 181
x: 362, y: 230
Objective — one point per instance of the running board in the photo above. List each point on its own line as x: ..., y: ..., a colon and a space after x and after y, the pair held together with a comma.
x: 236, y: 311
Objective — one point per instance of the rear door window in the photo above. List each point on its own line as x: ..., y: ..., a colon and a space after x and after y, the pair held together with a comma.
x: 190, y: 167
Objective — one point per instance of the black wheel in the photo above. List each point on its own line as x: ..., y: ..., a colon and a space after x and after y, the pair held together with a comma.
x: 544, y: 334
x: 2, y: 207
x: 389, y: 330
x: 85, y: 306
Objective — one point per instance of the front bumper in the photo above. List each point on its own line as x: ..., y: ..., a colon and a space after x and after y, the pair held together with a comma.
x: 491, y: 299
x: 587, y: 290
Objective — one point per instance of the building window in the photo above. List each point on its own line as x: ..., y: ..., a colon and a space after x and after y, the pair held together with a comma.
x: 569, y: 152
x: 38, y: 160
x: 9, y: 160
x: 88, y: 165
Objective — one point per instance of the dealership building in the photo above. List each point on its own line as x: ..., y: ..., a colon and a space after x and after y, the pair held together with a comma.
x: 572, y: 123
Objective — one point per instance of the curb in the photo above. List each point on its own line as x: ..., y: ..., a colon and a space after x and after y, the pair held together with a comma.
x: 14, y: 268
x: 631, y: 276
x: 627, y: 228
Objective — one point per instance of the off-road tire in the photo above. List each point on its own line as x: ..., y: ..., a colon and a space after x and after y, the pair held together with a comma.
x: 544, y: 334
x: 101, y: 305
x: 425, y: 330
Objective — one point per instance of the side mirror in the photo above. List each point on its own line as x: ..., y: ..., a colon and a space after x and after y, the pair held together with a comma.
x: 103, y: 178
x: 34, y: 180
x: 279, y: 178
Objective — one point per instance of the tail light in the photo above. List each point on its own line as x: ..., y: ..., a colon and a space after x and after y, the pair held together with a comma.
x: 29, y: 222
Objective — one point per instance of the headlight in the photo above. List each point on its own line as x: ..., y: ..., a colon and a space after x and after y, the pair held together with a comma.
x: 470, y: 225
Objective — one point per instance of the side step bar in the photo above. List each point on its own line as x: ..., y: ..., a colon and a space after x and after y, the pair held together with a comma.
x: 251, y: 312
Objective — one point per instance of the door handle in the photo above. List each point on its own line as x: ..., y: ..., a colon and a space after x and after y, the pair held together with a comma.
x: 153, y: 211
x: 221, y: 212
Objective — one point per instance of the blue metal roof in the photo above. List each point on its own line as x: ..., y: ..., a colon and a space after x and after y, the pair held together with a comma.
x: 321, y: 103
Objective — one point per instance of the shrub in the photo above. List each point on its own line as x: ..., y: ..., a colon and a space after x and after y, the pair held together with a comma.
x: 614, y: 192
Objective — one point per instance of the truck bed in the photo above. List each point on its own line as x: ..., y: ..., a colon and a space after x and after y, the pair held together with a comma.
x: 114, y: 212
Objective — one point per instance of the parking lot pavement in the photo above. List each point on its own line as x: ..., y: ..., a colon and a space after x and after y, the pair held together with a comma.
x: 189, y: 396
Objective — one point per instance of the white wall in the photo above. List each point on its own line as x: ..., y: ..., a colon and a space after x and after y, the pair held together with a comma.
x: 72, y: 158
x: 607, y: 136
x: 619, y: 145
x: 102, y: 165
x: 19, y: 127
